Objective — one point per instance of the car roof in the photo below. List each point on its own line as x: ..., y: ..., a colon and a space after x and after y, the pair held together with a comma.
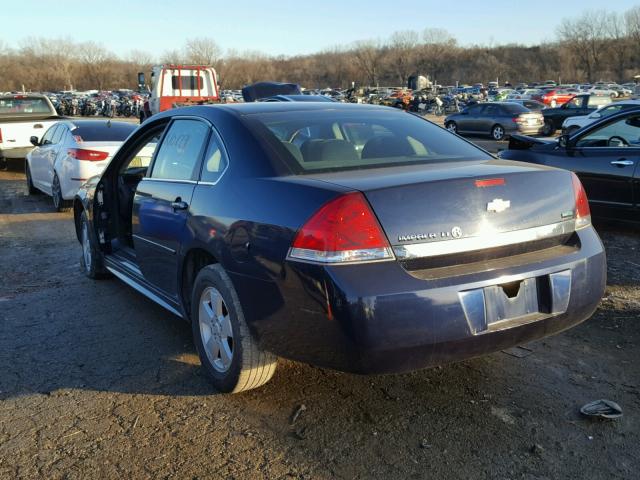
x: 250, y: 108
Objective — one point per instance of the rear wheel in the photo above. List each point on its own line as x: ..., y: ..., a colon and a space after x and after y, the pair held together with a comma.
x: 452, y: 127
x: 548, y: 129
x: 227, y: 351
x: 497, y: 132
x: 30, y: 187
x: 60, y: 204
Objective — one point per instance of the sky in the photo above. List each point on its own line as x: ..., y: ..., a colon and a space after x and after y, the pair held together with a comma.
x: 287, y: 28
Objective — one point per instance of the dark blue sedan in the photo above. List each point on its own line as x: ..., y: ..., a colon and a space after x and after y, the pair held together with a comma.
x: 358, y: 238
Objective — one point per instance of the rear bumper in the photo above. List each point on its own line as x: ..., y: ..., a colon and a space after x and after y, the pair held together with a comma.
x: 15, y: 153
x: 529, y: 130
x: 380, y: 318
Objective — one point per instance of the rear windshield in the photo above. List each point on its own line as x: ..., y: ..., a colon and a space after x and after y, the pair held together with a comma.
x: 514, y: 108
x: 103, y: 132
x: 18, y: 105
x: 184, y: 82
x: 331, y: 141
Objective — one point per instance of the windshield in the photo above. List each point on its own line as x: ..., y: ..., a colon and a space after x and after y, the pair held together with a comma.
x: 329, y: 141
x: 26, y: 105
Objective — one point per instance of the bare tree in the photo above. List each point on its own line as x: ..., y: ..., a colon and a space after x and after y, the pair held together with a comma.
x: 368, y: 56
x: 402, y: 54
x: 585, y: 37
x: 202, y: 51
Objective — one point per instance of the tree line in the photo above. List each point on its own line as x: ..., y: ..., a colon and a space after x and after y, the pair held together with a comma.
x: 596, y: 45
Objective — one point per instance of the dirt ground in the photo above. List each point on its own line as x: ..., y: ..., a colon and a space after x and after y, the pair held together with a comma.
x: 96, y: 381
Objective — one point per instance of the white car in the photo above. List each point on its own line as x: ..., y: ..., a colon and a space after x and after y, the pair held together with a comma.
x: 573, y: 124
x: 603, y: 90
x: 71, y: 152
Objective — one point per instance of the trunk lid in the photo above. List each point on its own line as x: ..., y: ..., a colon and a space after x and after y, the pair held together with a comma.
x: 440, y: 202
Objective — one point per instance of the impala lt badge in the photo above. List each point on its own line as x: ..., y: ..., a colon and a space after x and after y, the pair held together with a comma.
x: 498, y: 205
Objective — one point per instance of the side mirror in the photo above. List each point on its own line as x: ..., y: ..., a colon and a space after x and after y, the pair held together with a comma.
x: 34, y: 141
x: 563, y: 141
x: 141, y: 79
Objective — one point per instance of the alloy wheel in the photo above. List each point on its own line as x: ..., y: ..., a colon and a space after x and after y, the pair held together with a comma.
x: 498, y: 132
x: 215, y: 329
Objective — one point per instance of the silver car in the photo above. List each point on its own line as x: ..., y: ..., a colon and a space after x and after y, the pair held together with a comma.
x: 498, y: 119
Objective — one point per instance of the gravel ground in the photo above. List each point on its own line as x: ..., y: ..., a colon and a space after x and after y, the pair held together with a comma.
x: 96, y: 381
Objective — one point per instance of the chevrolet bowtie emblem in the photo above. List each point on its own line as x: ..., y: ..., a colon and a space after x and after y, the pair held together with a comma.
x: 498, y: 205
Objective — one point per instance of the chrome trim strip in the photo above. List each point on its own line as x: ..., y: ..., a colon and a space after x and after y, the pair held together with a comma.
x: 150, y: 295
x: 151, y: 179
x: 171, y: 250
x: 483, y: 241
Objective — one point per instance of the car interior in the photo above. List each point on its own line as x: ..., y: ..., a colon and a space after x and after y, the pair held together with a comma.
x: 130, y: 173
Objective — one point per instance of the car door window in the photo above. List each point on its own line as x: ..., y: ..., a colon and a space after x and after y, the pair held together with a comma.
x: 180, y: 151
x: 624, y: 132
x: 57, y: 136
x: 474, y: 109
x: 215, y: 161
x: 48, y: 135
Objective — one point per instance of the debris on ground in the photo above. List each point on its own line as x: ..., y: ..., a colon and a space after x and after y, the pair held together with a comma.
x: 602, y: 408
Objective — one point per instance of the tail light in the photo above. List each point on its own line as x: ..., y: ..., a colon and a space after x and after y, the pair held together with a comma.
x: 89, y: 155
x: 583, y: 213
x: 0, y: 135
x: 343, y: 230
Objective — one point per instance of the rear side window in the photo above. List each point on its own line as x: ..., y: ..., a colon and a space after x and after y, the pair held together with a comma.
x: 180, y: 151
x: 102, y: 131
x: 215, y: 161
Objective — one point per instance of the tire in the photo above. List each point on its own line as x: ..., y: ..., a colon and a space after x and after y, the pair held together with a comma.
x: 59, y: 203
x: 548, y: 129
x: 452, y: 127
x: 498, y: 133
x: 91, y: 259
x: 231, y: 357
x: 30, y: 187
x: 613, y: 96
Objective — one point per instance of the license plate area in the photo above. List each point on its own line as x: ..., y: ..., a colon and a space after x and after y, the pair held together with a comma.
x: 507, y: 305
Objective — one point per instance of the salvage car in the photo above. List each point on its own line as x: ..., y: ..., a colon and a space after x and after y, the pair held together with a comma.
x: 604, y: 155
x: 498, y: 119
x: 69, y: 153
x: 382, y: 244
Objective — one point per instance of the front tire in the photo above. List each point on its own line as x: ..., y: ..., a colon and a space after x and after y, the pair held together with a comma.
x: 30, y: 186
x: 452, y: 127
x: 229, y: 354
x: 498, y: 133
x: 91, y: 260
x: 59, y: 203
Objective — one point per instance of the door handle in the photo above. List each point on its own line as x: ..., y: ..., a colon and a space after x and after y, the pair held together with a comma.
x: 179, y: 205
x: 622, y: 163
